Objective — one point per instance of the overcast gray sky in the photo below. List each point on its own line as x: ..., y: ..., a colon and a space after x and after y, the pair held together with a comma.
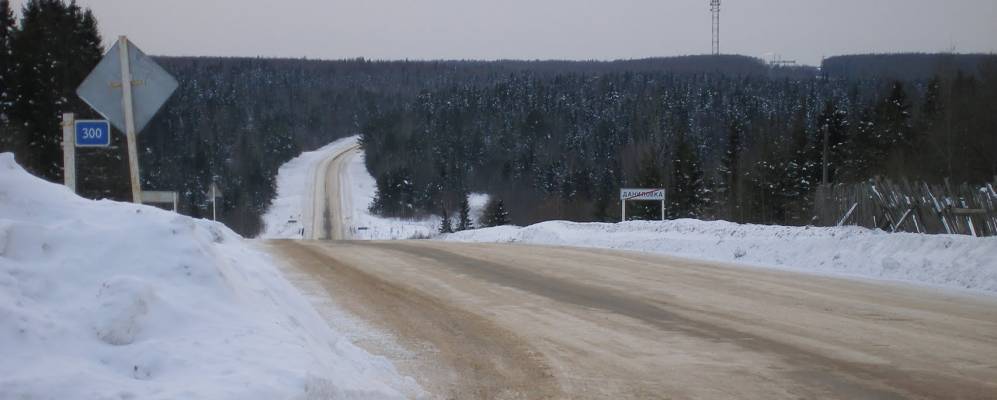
x: 804, y: 30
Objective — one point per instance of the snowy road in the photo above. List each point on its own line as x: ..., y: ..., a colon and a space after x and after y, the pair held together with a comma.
x: 330, y: 217
x: 512, y: 321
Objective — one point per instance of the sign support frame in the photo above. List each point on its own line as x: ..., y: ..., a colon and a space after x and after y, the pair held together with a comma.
x: 69, y: 150
x: 130, y: 137
x: 214, y: 201
x: 637, y: 197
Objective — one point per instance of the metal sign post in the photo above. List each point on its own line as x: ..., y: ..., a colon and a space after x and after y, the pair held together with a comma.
x: 128, y: 88
x: 641, y: 195
x: 215, y: 194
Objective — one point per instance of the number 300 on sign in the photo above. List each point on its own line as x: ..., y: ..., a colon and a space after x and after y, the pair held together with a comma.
x: 93, y: 133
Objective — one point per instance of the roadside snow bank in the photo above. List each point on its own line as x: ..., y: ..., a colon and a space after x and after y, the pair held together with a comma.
x: 100, y: 299
x: 358, y: 191
x: 944, y: 260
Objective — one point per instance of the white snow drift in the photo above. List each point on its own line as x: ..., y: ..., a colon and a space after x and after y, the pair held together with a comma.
x: 943, y: 260
x: 101, y: 300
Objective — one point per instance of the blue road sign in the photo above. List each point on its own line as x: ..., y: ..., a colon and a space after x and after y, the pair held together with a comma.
x: 93, y: 133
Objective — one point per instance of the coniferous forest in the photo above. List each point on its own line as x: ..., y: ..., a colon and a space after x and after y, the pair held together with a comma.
x: 743, y: 148
x: 729, y: 136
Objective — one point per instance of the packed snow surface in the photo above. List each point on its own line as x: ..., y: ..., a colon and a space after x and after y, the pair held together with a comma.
x: 940, y: 260
x: 102, y: 300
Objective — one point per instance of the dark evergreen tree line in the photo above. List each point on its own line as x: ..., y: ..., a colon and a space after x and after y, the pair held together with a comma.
x: 44, y: 58
x: 905, y: 66
x: 749, y: 148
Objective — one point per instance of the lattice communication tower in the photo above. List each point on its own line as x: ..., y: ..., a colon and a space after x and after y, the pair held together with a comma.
x: 715, y: 8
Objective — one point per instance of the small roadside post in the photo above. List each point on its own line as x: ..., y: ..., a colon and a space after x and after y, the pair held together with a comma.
x: 641, y: 195
x: 69, y: 151
x: 215, y: 194
x: 80, y: 133
x: 127, y: 87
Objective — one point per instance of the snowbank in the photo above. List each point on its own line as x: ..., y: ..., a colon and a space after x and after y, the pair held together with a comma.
x: 359, y: 188
x: 114, y: 300
x: 943, y: 260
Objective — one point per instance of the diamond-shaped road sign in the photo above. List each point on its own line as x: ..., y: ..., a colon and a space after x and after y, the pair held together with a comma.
x: 151, y: 87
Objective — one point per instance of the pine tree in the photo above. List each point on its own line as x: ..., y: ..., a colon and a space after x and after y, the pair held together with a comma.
x: 687, y: 192
x: 729, y: 173
x: 649, y: 176
x: 445, y: 225
x: 495, y: 214
x: 933, y: 124
x: 464, y: 222
x: 54, y: 49
x: 833, y: 124
x: 7, y: 30
x: 894, y: 134
x: 894, y: 115
x: 862, y: 149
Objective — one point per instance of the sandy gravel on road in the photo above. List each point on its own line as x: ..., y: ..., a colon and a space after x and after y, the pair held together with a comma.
x: 510, y: 321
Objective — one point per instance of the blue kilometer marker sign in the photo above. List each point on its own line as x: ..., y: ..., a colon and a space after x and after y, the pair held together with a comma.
x: 93, y: 133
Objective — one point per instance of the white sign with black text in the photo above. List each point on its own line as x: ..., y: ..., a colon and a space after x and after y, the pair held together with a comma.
x: 641, y: 195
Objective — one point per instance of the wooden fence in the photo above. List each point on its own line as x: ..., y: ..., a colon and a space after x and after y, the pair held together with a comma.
x: 910, y: 207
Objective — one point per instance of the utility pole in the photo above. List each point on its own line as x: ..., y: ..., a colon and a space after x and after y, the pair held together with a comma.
x: 715, y: 9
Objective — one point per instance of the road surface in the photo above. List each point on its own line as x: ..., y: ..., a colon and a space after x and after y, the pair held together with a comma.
x: 330, y: 213
x: 494, y: 321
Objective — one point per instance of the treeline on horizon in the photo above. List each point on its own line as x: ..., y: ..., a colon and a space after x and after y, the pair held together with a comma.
x: 744, y: 149
x: 904, y: 66
x: 493, y: 126
x: 237, y: 120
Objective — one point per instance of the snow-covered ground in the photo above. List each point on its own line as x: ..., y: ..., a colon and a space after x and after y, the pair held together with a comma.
x: 364, y: 225
x: 101, y: 300
x: 295, y: 191
x: 940, y: 260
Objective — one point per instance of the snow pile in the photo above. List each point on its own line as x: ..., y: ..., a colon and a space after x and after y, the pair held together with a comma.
x: 944, y: 260
x: 115, y: 300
